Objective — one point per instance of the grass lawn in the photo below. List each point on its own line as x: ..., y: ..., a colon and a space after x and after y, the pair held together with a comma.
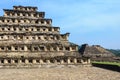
x: 108, y: 63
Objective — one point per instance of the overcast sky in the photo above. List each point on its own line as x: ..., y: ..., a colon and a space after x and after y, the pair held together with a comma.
x: 96, y: 22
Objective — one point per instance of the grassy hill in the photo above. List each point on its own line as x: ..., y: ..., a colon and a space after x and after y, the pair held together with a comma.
x: 115, y: 51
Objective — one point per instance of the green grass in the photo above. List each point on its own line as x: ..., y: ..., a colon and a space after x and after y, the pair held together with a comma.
x: 108, y: 63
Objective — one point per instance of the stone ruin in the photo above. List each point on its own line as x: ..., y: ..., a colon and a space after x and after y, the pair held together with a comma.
x: 28, y: 38
x: 97, y: 53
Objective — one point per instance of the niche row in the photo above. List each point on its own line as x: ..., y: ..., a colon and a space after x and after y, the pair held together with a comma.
x: 30, y: 29
x: 11, y: 13
x: 34, y: 37
x: 26, y: 21
x: 36, y: 48
x: 23, y: 8
x: 43, y: 61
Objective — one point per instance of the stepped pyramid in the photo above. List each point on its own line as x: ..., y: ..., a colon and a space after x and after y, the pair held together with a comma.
x: 27, y: 37
x: 96, y: 52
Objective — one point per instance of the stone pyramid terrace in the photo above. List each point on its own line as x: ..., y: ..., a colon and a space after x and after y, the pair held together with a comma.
x: 28, y: 38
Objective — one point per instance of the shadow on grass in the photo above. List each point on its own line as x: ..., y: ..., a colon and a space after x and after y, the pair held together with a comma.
x: 107, y: 66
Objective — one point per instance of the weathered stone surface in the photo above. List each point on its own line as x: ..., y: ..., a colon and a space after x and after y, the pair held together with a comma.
x: 27, y: 37
x: 59, y: 73
x: 96, y: 52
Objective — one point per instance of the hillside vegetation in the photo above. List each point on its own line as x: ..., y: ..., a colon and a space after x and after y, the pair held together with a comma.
x: 115, y: 51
